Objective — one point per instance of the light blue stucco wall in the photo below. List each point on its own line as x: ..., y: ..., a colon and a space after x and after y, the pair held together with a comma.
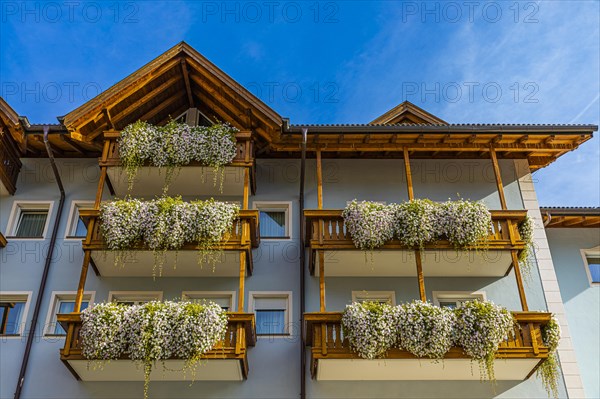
x: 274, y: 363
x: 581, y: 299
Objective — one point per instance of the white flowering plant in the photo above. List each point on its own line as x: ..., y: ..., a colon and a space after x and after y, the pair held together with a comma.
x: 370, y: 328
x: 175, y: 145
x: 415, y: 222
x: 426, y: 330
x: 463, y: 223
x: 166, y: 223
x: 151, y: 332
x: 549, y: 369
x: 480, y: 328
x: 370, y: 224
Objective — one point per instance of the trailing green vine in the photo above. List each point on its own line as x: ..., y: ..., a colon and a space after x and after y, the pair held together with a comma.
x: 175, y: 145
x: 549, y: 370
x: 166, y: 223
x: 526, y: 232
x: 154, y: 331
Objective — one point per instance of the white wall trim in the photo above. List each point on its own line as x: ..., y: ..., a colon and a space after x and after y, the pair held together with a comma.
x: 278, y: 205
x: 6, y: 296
x: 585, y: 253
x: 437, y: 295
x: 274, y: 294
x: 58, y: 295
x: 374, y: 295
x: 15, y: 213
x: 566, y: 352
x: 136, y: 295
x: 74, y: 205
x: 187, y: 295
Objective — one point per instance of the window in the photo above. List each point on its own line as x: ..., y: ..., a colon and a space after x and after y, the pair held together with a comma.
x: 29, y: 219
x: 225, y: 299
x: 63, y: 302
x: 75, y: 227
x: 388, y: 297
x: 591, y: 258
x: 273, y: 312
x: 134, y: 297
x: 275, y: 219
x: 13, y: 312
x: 455, y: 299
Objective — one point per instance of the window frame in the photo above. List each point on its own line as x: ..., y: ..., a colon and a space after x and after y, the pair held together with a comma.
x: 73, y: 219
x: 135, y: 296
x: 365, y: 296
x: 252, y: 295
x: 15, y: 216
x: 447, y: 296
x: 589, y: 253
x: 56, y: 297
x: 277, y: 206
x: 231, y: 295
x: 7, y: 296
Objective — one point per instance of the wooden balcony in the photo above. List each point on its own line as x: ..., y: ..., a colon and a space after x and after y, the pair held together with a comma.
x: 2, y: 240
x: 190, y: 180
x: 10, y: 164
x: 227, y: 361
x: 326, y: 231
x: 139, y: 261
x: 332, y: 358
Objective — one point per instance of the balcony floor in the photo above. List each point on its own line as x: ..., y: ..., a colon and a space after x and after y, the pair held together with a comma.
x: 178, y: 264
x: 127, y: 370
x: 196, y: 181
x: 419, y: 370
x: 401, y: 263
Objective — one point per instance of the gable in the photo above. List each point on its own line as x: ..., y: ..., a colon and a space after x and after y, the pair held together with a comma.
x: 179, y: 79
x: 407, y: 113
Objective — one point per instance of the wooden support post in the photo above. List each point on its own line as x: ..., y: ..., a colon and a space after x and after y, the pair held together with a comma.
x: 81, y: 287
x: 100, y: 190
x: 322, y: 281
x: 411, y: 196
x: 242, y: 281
x: 246, y: 188
x: 409, y: 184
x: 319, y: 181
x: 498, y: 178
x: 520, y: 287
x: 420, y: 277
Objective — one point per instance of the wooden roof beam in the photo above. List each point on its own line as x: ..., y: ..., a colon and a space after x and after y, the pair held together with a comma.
x: 523, y: 139
x: 550, y: 139
x: 156, y: 110
x: 186, y: 79
x: 155, y: 92
x: 573, y: 221
x: 109, y: 121
x: 75, y: 146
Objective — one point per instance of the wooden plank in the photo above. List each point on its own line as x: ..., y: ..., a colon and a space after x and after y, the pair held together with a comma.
x: 242, y: 281
x: 100, y: 190
x: 420, y: 277
x: 319, y: 181
x: 186, y: 79
x: 520, y: 287
x: 246, y: 188
x: 498, y: 178
x: 322, y: 281
x: 82, y: 277
x: 407, y: 171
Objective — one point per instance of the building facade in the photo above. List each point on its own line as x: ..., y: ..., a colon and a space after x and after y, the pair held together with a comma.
x: 289, y: 267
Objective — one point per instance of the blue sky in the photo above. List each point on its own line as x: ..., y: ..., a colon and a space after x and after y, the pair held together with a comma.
x: 333, y: 62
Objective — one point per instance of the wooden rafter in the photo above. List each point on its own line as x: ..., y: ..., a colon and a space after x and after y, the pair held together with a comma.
x: 186, y: 79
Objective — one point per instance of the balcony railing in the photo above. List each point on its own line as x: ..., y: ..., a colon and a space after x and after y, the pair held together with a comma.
x: 226, y: 361
x: 138, y: 260
x: 326, y: 231
x: 333, y: 359
x: 2, y: 240
x: 189, y: 180
x: 10, y: 165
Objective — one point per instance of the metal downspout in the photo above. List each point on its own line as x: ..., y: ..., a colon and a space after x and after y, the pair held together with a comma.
x: 38, y: 301
x: 302, y: 267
